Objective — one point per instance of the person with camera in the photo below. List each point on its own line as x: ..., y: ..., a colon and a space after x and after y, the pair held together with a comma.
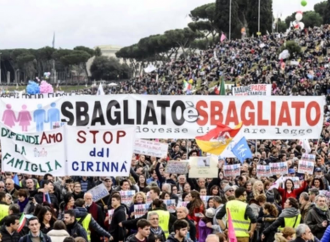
x: 318, y: 217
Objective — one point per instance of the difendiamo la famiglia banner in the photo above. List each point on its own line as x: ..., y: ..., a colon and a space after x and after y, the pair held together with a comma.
x: 155, y: 116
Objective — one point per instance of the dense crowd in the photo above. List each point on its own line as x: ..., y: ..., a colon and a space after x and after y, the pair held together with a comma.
x: 62, y: 209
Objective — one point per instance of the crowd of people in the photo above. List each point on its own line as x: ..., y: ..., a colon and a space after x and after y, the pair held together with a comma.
x: 56, y: 209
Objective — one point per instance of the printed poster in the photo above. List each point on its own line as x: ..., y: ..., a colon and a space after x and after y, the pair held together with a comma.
x: 150, y: 148
x: 182, y: 204
x: 110, y: 213
x: 253, y: 90
x: 99, y: 152
x: 170, y: 205
x: 279, y: 168
x: 32, y: 153
x: 140, y: 210
x: 127, y: 197
x: 263, y: 170
x: 306, y: 166
x: 177, y: 167
x: 203, y: 167
x: 296, y: 181
x: 308, y: 157
x: 231, y: 170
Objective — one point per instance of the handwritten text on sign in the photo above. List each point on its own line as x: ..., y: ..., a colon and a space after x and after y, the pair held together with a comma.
x: 203, y: 167
x: 177, y: 167
x: 99, y: 192
x: 37, y: 153
x: 99, y: 152
x: 146, y: 147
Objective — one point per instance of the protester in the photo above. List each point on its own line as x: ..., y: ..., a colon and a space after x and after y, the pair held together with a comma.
x: 35, y: 234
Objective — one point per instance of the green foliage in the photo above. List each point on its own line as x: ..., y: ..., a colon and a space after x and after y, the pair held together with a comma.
x: 292, y: 47
x: 320, y: 8
x: 98, y: 51
x: 90, y: 51
x: 327, y: 13
x: 282, y: 27
x: 266, y: 11
x: 104, y: 68
x: 75, y: 57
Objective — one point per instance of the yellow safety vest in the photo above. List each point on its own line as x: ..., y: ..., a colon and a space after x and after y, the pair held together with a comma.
x: 85, y: 225
x: 164, y: 220
x: 292, y: 222
x: 237, y: 211
x: 4, y: 211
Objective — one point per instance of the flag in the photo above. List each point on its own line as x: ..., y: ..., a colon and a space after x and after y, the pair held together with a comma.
x: 217, y: 139
x: 186, y: 86
x: 222, y: 87
x: 241, y: 150
x: 231, y: 230
x: 100, y: 90
x: 16, y: 180
x: 276, y: 183
x: 223, y: 37
x: 216, y: 90
x: 48, y: 198
x: 53, y: 43
x: 22, y: 221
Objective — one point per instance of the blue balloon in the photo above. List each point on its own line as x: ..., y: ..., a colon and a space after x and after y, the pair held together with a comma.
x: 32, y: 88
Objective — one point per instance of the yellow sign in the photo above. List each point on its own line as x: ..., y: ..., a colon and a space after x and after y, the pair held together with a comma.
x: 258, y: 33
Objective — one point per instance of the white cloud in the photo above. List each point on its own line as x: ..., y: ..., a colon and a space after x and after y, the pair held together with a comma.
x: 31, y: 23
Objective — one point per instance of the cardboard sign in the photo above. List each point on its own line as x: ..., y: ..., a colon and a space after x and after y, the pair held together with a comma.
x: 150, y: 148
x: 177, y: 167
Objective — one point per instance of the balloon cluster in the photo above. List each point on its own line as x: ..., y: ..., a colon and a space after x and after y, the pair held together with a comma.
x: 47, y: 75
x: 297, y: 24
x: 32, y: 88
x: 45, y: 87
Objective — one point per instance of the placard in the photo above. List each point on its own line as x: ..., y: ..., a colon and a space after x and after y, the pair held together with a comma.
x: 231, y: 170
x: 127, y: 197
x: 177, y: 167
x: 98, y: 192
x: 32, y: 153
x: 203, y: 167
x: 171, y: 116
x: 279, y: 168
x: 263, y: 170
x: 306, y: 166
x: 150, y: 148
x: 296, y: 181
x: 170, y: 205
x: 253, y: 90
x: 182, y: 204
x: 99, y: 152
x: 205, y: 199
x: 308, y: 157
x: 110, y: 214
x: 140, y: 210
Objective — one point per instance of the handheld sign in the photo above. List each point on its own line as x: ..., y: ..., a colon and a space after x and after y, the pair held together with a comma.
x: 99, y: 152
x: 33, y: 153
x: 151, y: 148
x: 98, y: 192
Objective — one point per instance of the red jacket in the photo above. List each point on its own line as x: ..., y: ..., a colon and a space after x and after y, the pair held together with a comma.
x: 295, y: 193
x: 201, y: 209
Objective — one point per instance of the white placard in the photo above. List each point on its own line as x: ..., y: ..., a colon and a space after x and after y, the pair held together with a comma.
x: 98, y: 192
x: 33, y: 153
x: 150, y: 148
x: 99, y: 152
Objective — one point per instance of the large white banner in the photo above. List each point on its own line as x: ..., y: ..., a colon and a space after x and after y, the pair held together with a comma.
x: 99, y: 152
x: 253, y: 90
x: 33, y: 153
x: 155, y: 116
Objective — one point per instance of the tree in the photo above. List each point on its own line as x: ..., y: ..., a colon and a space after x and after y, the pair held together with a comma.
x: 90, y: 51
x: 327, y: 13
x: 222, y: 18
x: 205, y: 12
x: 98, y: 51
x: 281, y: 26
x: 311, y: 19
x: 320, y: 8
x: 266, y: 13
x: 104, y: 68
x: 293, y: 48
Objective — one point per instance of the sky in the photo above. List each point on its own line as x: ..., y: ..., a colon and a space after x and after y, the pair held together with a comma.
x: 31, y: 23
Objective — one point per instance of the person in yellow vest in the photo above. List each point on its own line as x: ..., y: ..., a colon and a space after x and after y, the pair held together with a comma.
x: 86, y: 220
x: 290, y: 217
x: 244, y: 222
x: 4, y: 207
x: 166, y: 219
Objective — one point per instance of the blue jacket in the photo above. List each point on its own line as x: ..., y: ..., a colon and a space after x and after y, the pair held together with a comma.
x: 326, y: 235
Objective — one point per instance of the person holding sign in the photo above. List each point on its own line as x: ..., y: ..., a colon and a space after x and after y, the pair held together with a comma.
x: 289, y: 190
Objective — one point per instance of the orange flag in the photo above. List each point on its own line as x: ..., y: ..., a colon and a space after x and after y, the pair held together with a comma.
x: 217, y: 139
